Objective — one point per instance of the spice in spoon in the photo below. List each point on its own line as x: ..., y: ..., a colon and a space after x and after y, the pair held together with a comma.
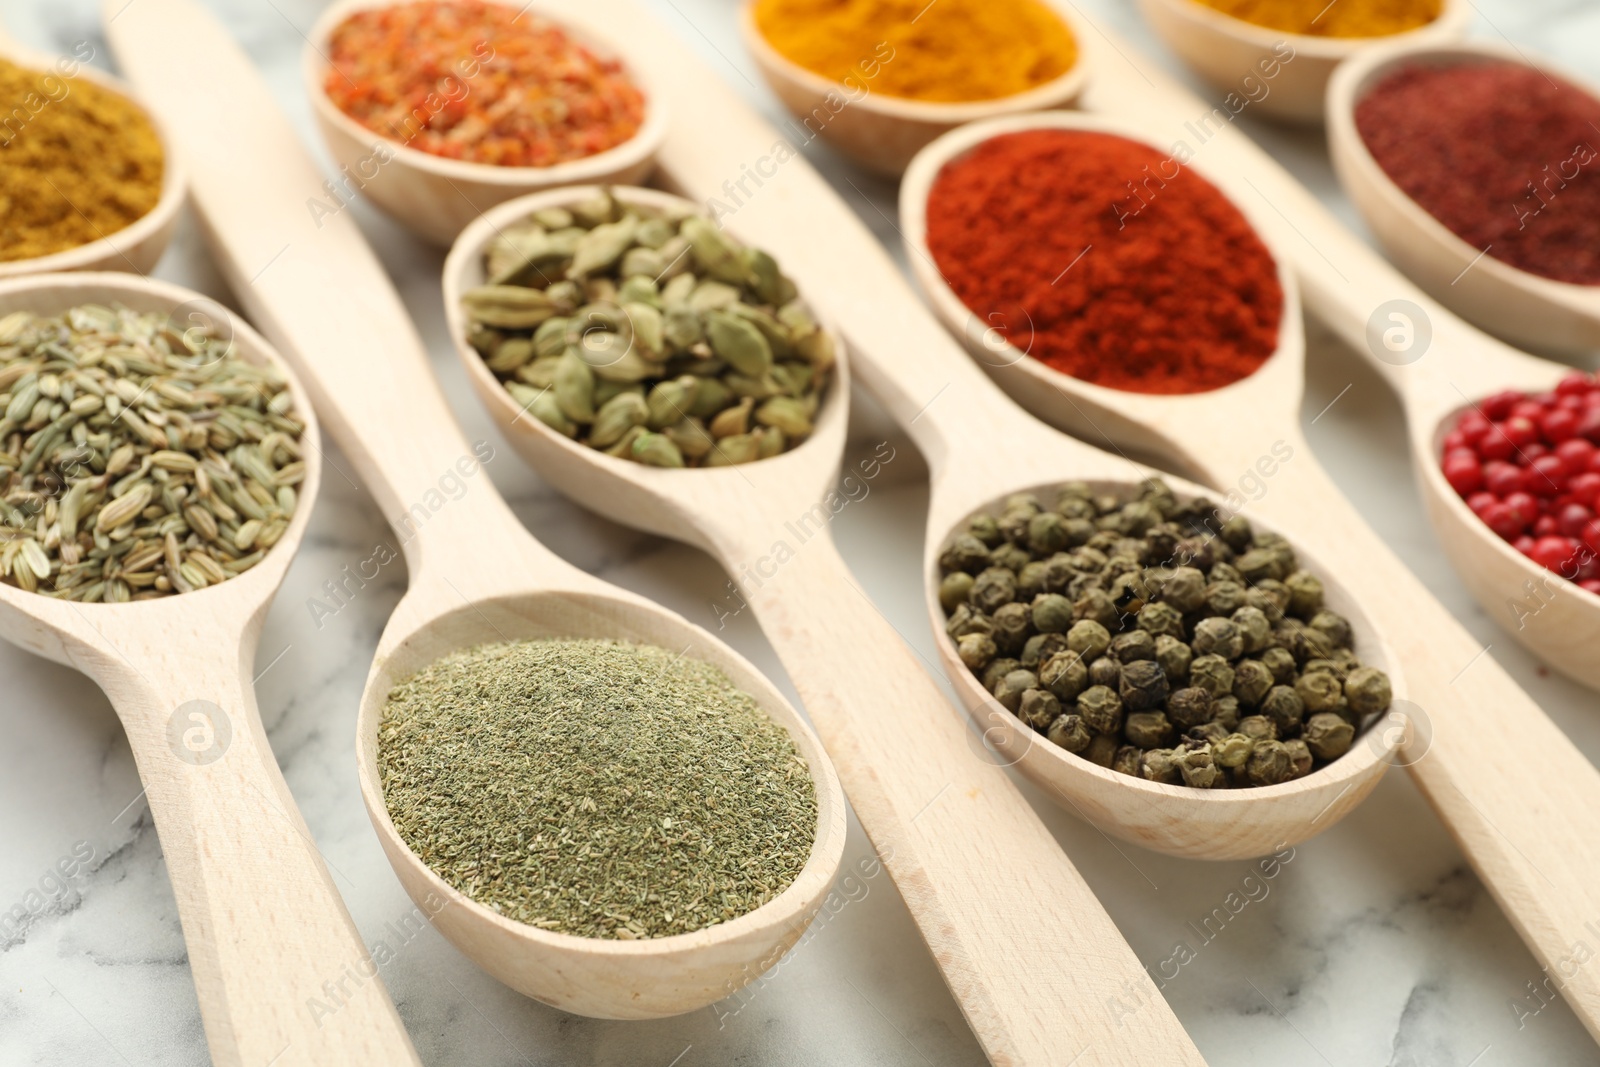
x: 1505, y: 156
x: 78, y: 162
x: 952, y: 51
x: 1106, y: 261
x: 1529, y: 467
x: 1322, y: 18
x: 1154, y: 638
x: 480, y: 82
x: 595, y: 788
x: 137, y: 461
x: 649, y: 335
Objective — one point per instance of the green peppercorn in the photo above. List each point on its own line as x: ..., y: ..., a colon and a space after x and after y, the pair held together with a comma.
x: 1211, y: 672
x: 1251, y: 681
x: 1127, y: 760
x: 1012, y: 626
x: 1040, y: 647
x: 1158, y: 765
x: 964, y: 553
x: 1284, y: 706
x: 1088, y: 638
x: 976, y: 650
x: 1194, y: 762
x: 1184, y: 589
x: 1031, y: 580
x: 1269, y: 764
x: 1237, y: 534
x: 1319, y: 691
x: 1058, y: 571
x: 954, y: 589
x: 1069, y: 732
x: 1190, y: 706
x: 1065, y: 675
x: 1223, y: 598
x: 1225, y: 711
x: 1206, y: 731
x: 1305, y: 594
x: 1105, y: 671
x: 1012, y: 686
x: 1039, y: 708
x: 1010, y: 557
x: 1174, y: 657
x: 1254, y: 629
x: 1052, y: 613
x: 1299, y: 756
x: 996, y: 671
x: 994, y: 588
x: 1217, y: 636
x: 1047, y: 533
x: 1232, y: 751
x: 1142, y: 685
x: 1102, y: 749
x: 1132, y: 646
x: 1259, y: 564
x: 1148, y: 729
x: 1280, y: 662
x: 1328, y: 736
x: 1160, y: 619
x: 1075, y: 508
x: 985, y: 529
x: 967, y: 619
x: 1101, y: 709
x: 1367, y: 691
x: 1333, y: 626
x: 1258, y: 728
x: 1269, y: 597
x: 1095, y: 606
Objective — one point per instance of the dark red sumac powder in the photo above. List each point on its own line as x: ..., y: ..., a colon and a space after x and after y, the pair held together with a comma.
x: 1176, y: 293
x: 1501, y: 155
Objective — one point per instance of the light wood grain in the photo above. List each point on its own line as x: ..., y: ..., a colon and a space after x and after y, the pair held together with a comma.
x: 879, y: 131
x: 436, y: 197
x: 1526, y: 826
x: 137, y: 247
x: 1524, y: 308
x: 476, y: 574
x: 950, y: 826
x: 1226, y: 51
x: 261, y: 916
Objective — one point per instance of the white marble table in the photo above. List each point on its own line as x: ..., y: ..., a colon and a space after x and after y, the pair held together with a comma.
x: 1376, y: 945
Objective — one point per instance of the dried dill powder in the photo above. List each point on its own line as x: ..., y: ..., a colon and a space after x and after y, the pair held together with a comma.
x: 595, y: 788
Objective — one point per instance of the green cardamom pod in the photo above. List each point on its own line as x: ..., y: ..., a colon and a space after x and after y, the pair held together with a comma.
x: 541, y: 373
x: 710, y: 398
x: 681, y: 326
x: 818, y: 350
x: 711, y: 295
x: 677, y: 261
x: 639, y: 290
x: 776, y: 333
x: 740, y: 448
x: 553, y: 218
x: 675, y: 288
x: 656, y: 450
x: 755, y: 388
x: 787, y: 414
x: 574, y: 386
x: 602, y: 247
x: 613, y: 357
x: 512, y: 353
x: 566, y: 296
x: 691, y: 437
x: 605, y: 391
x: 598, y: 209
x: 655, y: 232
x: 623, y: 449
x: 600, y: 290
x: 522, y: 256
x: 764, y: 274
x: 485, y: 340
x: 552, y: 337
x: 733, y: 421
x: 738, y: 342
x: 670, y: 401
x: 713, y: 253
x: 616, y: 417
x: 641, y: 262
x: 508, y: 307
x: 770, y: 441
x: 649, y: 331
x: 797, y: 378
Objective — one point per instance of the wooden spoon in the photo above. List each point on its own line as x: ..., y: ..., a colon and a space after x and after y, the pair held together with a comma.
x: 477, y: 575
x: 1021, y: 940
x: 435, y: 196
x: 136, y: 248
x: 263, y: 922
x: 1281, y: 75
x: 1513, y: 790
x: 1524, y: 308
x: 883, y: 132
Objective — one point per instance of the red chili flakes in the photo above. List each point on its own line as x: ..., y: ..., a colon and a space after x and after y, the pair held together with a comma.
x: 478, y: 82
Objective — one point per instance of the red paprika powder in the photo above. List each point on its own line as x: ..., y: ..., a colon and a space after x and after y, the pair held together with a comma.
x: 1106, y: 260
x: 1503, y: 155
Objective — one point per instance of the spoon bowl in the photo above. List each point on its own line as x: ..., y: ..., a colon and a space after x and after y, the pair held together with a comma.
x: 178, y: 670
x: 613, y: 979
x: 140, y: 245
x: 435, y: 196
x: 881, y: 132
x: 1524, y: 308
x: 1230, y: 53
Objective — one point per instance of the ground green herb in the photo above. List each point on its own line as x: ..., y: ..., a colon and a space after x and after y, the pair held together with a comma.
x: 595, y: 788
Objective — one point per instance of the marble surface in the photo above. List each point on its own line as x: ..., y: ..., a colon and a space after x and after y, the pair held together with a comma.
x: 1375, y: 945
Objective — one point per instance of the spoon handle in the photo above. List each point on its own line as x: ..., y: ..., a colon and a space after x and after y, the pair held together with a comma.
x: 280, y: 968
x: 1516, y: 794
x: 1040, y: 971
x: 295, y: 258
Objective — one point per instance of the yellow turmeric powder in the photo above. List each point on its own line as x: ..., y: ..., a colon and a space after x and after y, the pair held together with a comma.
x: 77, y: 162
x: 948, y: 51
x: 1342, y: 18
